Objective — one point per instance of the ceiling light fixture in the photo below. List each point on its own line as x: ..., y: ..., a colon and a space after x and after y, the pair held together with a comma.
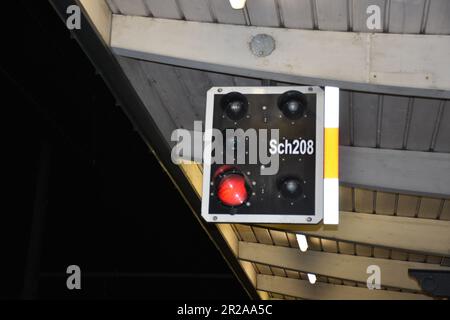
x: 312, y: 278
x: 302, y: 242
x: 237, y: 4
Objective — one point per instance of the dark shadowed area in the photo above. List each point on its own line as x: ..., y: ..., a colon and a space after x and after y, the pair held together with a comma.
x: 87, y: 191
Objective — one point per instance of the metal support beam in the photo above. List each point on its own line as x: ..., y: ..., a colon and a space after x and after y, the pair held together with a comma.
x: 325, y: 291
x: 384, y: 231
x: 394, y: 273
x: 423, y: 173
x: 100, y: 16
x: 358, y: 61
x: 400, y: 171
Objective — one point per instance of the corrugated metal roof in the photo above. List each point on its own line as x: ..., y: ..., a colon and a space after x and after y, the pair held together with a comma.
x: 398, y: 16
x: 366, y: 119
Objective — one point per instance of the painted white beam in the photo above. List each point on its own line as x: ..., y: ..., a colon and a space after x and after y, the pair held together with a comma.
x: 424, y: 173
x: 411, y: 234
x: 325, y: 291
x: 391, y: 63
x: 394, y: 273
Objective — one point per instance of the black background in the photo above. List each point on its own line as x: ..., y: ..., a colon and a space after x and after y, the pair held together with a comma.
x: 109, y: 208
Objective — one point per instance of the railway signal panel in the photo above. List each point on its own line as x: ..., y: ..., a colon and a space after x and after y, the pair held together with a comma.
x: 264, y: 156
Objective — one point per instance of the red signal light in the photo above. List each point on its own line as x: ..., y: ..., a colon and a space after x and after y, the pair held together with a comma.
x: 232, y: 190
x: 231, y: 186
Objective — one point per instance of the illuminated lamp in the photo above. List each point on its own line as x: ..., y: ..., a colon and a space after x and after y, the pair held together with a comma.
x: 231, y: 185
x: 237, y: 4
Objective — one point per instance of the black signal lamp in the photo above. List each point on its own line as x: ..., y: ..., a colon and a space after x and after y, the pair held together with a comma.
x: 292, y: 104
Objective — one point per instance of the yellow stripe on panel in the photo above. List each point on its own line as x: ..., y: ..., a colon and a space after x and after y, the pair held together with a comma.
x: 331, y: 156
